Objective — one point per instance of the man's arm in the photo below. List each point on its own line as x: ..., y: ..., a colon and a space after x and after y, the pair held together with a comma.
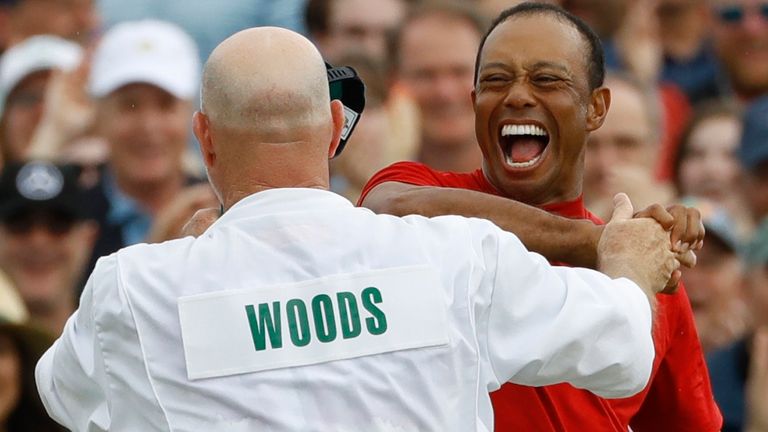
x: 557, y: 238
x: 71, y: 377
x: 555, y: 324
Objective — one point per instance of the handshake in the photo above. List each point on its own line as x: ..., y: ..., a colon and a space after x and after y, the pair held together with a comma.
x: 649, y: 247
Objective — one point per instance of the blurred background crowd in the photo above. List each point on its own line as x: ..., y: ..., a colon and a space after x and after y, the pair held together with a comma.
x: 96, y: 150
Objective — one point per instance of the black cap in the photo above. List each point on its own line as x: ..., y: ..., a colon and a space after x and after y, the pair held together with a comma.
x: 41, y: 185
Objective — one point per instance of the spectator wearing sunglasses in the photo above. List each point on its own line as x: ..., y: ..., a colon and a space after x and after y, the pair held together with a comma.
x: 741, y: 41
x: 45, y: 238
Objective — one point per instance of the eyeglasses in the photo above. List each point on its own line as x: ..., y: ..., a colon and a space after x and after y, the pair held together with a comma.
x: 735, y: 14
x: 55, y: 222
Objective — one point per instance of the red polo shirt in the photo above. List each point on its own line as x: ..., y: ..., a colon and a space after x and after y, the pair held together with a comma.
x: 678, y: 397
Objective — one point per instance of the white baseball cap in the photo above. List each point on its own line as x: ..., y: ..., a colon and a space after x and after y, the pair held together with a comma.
x: 147, y: 51
x: 34, y: 54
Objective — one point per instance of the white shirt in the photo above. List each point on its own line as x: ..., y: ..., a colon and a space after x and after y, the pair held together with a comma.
x: 163, y: 339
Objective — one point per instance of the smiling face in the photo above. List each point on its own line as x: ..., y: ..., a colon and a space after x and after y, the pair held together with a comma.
x: 147, y: 129
x: 534, y: 108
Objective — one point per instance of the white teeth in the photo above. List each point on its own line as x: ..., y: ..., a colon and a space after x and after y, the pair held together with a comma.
x: 530, y: 163
x: 522, y: 130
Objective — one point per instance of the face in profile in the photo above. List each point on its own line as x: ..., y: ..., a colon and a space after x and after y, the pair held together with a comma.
x: 147, y: 129
x: 534, y: 108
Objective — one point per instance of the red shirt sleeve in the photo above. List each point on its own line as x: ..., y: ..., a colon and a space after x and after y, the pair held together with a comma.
x: 413, y: 173
x: 679, y: 397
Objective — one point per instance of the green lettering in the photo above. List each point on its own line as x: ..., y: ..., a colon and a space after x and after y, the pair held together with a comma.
x: 299, y: 327
x: 265, y: 322
x: 322, y: 307
x: 377, y: 324
x: 349, y: 316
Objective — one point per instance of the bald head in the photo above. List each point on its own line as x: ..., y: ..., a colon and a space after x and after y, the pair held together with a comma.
x: 267, y: 120
x: 267, y: 82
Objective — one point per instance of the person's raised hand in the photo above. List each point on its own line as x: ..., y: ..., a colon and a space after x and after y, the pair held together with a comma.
x: 637, y: 249
x: 200, y: 221
x: 169, y: 223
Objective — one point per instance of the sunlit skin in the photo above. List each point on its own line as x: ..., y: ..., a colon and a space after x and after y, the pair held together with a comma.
x: 10, y: 378
x: 436, y: 66
x: 710, y: 167
x: 533, y: 70
x: 743, y: 47
x: 22, y: 114
x: 147, y: 129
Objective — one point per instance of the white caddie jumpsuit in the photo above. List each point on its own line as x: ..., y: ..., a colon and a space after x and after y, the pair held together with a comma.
x: 296, y: 311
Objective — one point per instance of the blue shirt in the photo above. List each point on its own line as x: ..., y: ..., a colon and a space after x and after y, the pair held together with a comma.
x: 125, y: 212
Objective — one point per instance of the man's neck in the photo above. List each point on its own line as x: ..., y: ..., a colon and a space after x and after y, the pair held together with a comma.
x: 152, y: 196
x: 454, y: 158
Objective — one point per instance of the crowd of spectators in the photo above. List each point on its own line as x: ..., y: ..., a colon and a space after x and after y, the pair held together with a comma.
x: 96, y: 150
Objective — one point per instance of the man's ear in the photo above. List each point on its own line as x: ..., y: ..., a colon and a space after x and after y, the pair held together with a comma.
x: 202, y: 129
x: 599, y: 103
x: 337, y: 114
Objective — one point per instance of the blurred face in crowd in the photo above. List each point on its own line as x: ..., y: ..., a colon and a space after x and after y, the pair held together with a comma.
x: 709, y: 167
x: 147, y: 129
x: 757, y: 290
x: 682, y: 24
x: 10, y: 377
x: 756, y: 191
x: 71, y: 19
x: 741, y: 41
x: 604, y: 16
x: 626, y: 139
x: 436, y: 66
x: 715, y: 281
x: 534, y: 108
x: 360, y: 26
x: 44, y: 252
x: 22, y: 113
x: 492, y: 8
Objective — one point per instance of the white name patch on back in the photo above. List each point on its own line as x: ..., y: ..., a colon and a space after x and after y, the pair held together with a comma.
x: 327, y: 319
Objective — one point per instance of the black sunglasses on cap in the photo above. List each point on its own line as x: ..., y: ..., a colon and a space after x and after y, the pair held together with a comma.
x: 735, y: 14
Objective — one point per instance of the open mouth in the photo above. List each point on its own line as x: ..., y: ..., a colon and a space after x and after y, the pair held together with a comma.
x: 523, y: 144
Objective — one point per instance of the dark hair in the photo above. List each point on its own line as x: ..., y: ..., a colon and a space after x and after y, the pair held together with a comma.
x: 29, y: 413
x: 707, y: 111
x: 596, y: 59
x: 450, y: 9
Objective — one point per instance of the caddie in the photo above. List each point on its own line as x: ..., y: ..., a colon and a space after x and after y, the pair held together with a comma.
x: 296, y: 311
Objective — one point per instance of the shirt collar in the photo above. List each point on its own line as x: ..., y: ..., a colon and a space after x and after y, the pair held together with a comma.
x: 283, y: 200
x: 573, y: 209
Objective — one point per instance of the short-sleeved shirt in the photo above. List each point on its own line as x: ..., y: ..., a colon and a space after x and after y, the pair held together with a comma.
x: 679, y: 397
x: 296, y: 311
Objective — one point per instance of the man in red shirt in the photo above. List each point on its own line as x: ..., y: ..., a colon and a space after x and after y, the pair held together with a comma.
x: 538, y: 93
